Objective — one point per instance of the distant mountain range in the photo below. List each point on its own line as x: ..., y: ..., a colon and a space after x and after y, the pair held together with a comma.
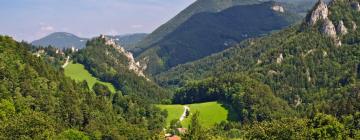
x: 61, y: 40
x: 211, y: 32
x: 68, y: 40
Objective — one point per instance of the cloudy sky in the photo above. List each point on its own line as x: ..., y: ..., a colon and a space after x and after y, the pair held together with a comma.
x: 32, y: 19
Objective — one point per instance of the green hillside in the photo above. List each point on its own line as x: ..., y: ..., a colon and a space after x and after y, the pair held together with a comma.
x: 303, y: 80
x: 79, y: 73
x: 110, y: 63
x: 38, y: 101
x: 206, y: 33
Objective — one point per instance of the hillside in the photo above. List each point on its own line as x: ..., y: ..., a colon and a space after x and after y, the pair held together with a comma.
x: 312, y: 68
x: 61, y: 40
x: 38, y: 102
x: 109, y: 62
x: 296, y: 62
x: 207, y: 33
x: 210, y: 6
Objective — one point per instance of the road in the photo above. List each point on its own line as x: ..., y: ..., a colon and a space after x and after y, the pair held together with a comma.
x: 186, y: 108
x: 66, y: 62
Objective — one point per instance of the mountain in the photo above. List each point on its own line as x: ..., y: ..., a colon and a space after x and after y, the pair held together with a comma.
x: 199, y: 6
x: 313, y: 66
x: 110, y: 62
x: 61, y: 40
x: 38, y: 101
x: 207, y: 33
x: 68, y: 40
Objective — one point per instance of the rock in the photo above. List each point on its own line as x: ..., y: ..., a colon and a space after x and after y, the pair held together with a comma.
x: 328, y: 29
x: 319, y: 12
x: 341, y: 29
x: 356, y: 6
x: 278, y: 8
x: 280, y: 59
x: 354, y: 26
x: 132, y: 64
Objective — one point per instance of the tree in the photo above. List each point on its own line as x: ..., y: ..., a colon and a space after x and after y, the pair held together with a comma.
x: 195, y: 130
x: 324, y: 126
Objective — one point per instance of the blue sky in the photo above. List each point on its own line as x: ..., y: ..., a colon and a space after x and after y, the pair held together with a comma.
x: 32, y: 19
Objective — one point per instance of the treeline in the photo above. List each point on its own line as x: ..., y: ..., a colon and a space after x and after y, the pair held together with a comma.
x: 318, y: 81
x: 251, y: 100
x: 38, y: 102
x: 109, y: 64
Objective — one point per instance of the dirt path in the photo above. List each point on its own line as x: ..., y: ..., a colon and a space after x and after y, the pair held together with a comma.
x: 186, y: 108
x: 66, y: 62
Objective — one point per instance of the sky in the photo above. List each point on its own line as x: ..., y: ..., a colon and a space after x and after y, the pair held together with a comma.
x: 33, y: 19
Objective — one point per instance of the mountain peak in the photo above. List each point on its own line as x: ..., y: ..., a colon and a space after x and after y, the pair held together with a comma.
x: 319, y: 12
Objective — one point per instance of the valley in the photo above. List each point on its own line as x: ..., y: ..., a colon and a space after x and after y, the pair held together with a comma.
x: 218, y: 70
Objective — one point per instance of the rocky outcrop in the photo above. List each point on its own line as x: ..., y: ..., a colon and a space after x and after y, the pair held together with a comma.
x: 328, y: 29
x: 132, y: 64
x: 280, y: 59
x: 278, y: 8
x: 356, y: 6
x: 319, y: 12
x: 341, y: 29
x: 354, y: 26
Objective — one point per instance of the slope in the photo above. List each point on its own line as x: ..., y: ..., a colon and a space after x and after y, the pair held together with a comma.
x: 207, y: 33
x: 306, y: 64
x: 109, y: 62
x: 199, y: 6
x: 38, y: 101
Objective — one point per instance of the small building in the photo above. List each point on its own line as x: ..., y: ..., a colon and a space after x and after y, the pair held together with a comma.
x: 174, y: 137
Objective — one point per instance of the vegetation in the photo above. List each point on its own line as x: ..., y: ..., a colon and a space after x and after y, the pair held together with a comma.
x: 294, y: 84
x: 110, y: 64
x: 207, y: 33
x: 79, y: 73
x: 38, y: 101
x: 210, y: 113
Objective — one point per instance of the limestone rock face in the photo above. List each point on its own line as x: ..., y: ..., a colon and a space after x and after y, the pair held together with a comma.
x: 341, y: 29
x: 354, y: 26
x: 278, y: 8
x: 320, y: 12
x: 132, y: 64
x: 328, y: 28
x: 356, y: 6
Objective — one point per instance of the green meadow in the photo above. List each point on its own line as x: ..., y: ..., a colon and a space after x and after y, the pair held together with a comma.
x: 210, y: 113
x: 79, y: 73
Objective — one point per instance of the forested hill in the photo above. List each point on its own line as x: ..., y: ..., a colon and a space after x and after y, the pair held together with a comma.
x: 39, y: 102
x: 108, y: 61
x: 314, y: 67
x: 211, y: 6
x: 207, y: 33
x: 317, y: 62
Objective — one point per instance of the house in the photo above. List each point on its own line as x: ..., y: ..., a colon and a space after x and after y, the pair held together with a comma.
x: 174, y: 137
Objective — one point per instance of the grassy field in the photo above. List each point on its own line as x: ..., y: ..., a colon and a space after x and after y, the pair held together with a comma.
x: 175, y: 111
x: 210, y: 113
x: 79, y: 73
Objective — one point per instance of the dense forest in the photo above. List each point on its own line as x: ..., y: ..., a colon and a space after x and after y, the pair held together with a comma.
x: 38, y: 102
x: 110, y: 63
x: 302, y: 71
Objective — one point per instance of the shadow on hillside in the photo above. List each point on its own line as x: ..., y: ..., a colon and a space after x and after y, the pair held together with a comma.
x: 232, y: 115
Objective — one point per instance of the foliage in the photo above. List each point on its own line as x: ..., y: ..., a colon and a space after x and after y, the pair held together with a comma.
x: 110, y: 64
x: 38, y: 102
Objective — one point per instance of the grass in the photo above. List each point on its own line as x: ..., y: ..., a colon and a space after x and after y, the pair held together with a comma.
x: 174, y: 112
x: 79, y: 73
x: 210, y: 113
